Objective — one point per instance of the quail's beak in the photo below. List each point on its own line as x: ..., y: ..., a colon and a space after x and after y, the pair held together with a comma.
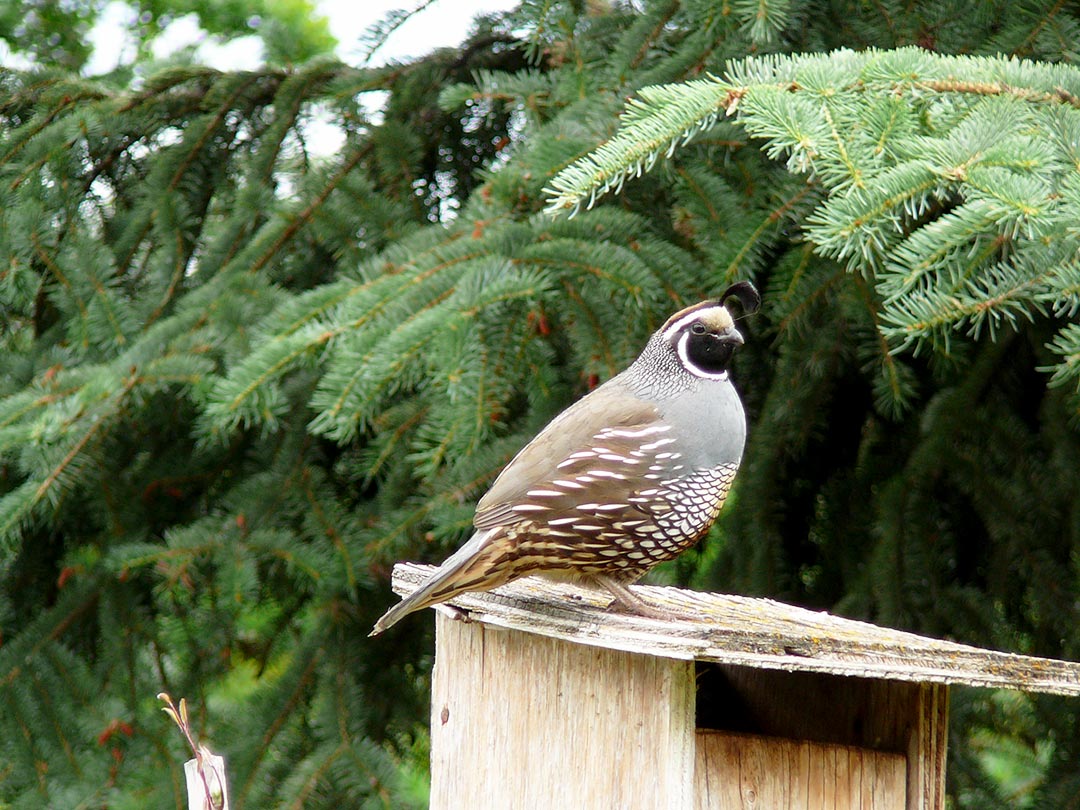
x: 732, y: 336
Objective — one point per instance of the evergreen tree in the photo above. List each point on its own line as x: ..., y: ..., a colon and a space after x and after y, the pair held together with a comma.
x: 240, y: 379
x: 57, y: 33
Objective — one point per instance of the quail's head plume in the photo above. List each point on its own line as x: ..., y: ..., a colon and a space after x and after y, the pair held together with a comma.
x: 627, y: 477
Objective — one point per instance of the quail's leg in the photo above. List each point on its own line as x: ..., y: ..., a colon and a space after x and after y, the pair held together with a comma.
x: 459, y: 614
x: 632, y: 603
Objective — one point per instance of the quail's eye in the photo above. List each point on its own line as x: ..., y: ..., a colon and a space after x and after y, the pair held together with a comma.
x: 698, y: 328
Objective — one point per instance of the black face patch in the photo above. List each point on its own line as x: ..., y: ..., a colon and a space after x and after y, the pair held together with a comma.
x: 709, y: 352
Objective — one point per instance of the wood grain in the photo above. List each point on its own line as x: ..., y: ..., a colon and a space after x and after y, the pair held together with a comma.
x: 523, y: 721
x: 758, y: 633
x: 927, y: 750
x: 747, y: 772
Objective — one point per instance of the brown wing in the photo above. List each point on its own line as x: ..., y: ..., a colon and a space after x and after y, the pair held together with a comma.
x: 607, y: 419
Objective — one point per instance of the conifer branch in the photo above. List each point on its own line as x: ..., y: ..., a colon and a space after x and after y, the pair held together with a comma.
x: 663, y: 118
x: 643, y: 136
x: 304, y: 672
x: 1058, y: 95
x: 297, y: 221
x: 981, y: 167
x: 738, y: 260
x: 1067, y: 346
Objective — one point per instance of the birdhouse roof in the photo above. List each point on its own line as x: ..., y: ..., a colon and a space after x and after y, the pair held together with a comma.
x: 750, y: 632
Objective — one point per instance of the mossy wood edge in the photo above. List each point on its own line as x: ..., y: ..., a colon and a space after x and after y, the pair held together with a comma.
x: 748, y: 631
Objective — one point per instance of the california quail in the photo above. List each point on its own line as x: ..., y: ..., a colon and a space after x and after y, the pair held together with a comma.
x: 631, y: 475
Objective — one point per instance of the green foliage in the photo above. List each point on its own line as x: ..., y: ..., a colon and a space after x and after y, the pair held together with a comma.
x: 957, y: 196
x: 55, y: 33
x: 50, y: 31
x: 171, y: 517
x: 240, y: 378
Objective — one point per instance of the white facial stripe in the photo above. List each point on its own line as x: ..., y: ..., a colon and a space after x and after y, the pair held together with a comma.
x: 689, y: 366
x: 690, y: 317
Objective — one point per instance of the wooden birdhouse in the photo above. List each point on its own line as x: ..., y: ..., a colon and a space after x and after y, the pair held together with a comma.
x: 542, y: 698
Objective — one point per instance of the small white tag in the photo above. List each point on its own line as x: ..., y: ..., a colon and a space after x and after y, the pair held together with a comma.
x: 207, y: 790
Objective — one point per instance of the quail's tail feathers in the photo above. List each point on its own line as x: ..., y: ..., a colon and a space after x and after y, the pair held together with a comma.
x: 451, y: 578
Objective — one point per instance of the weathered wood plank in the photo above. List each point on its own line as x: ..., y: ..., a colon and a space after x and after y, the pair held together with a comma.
x: 927, y: 750
x: 890, y: 783
x: 752, y: 632
x: 523, y: 721
x: 748, y: 772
